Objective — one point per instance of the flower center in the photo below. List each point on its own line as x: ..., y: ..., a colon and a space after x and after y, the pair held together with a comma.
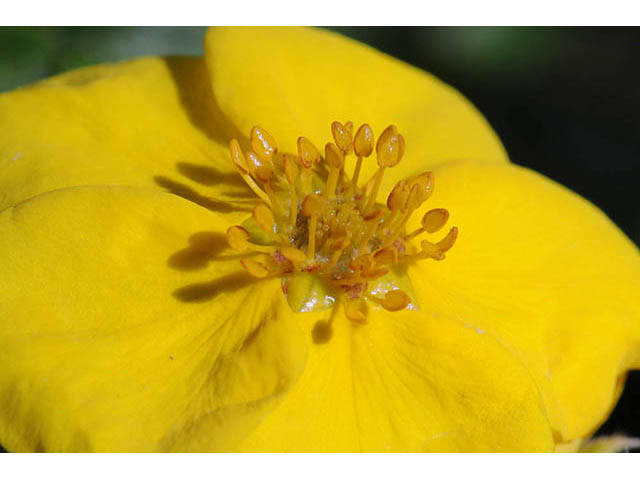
x: 324, y: 233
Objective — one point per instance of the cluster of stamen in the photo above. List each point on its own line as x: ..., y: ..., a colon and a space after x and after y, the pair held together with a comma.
x: 314, y: 219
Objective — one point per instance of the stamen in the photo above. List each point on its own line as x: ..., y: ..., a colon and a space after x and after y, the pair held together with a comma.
x: 312, y: 207
x: 363, y: 147
x: 243, y: 168
x: 309, y: 156
x: 291, y: 172
x: 335, y: 159
x: 432, y: 221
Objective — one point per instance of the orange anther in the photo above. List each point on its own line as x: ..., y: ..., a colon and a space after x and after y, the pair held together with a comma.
x: 264, y: 218
x: 363, y: 141
x: 434, y: 220
x: 254, y: 268
x: 263, y: 144
x: 447, y: 242
x: 293, y: 254
x: 264, y: 172
x: 390, y: 147
x: 307, y: 152
x: 397, y: 199
x: 356, y: 310
x: 425, y: 182
x: 333, y: 155
x: 237, y: 238
x: 395, y: 300
x: 313, y: 204
x: 342, y: 136
x: 362, y: 263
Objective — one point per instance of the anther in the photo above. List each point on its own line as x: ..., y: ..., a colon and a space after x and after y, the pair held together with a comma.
x: 238, y: 238
x: 255, y: 268
x: 342, y: 137
x: 263, y: 144
x: 432, y: 221
x: 355, y: 309
x: 395, y: 300
x: 264, y: 218
x: 293, y: 254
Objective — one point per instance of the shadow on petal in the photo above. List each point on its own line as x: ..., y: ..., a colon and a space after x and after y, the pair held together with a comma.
x: 194, y: 87
x: 186, y: 192
x: 205, y: 291
x: 208, y: 176
x: 203, y: 248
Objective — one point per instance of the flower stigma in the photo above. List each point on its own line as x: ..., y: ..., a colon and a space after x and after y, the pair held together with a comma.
x: 324, y: 233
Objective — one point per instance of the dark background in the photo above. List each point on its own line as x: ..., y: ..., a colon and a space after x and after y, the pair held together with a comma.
x: 564, y: 101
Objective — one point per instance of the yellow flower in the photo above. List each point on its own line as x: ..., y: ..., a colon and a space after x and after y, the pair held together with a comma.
x: 127, y: 324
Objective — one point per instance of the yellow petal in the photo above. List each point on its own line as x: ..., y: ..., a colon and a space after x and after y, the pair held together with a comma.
x: 548, y: 275
x: 297, y: 81
x: 126, y: 324
x: 406, y: 381
x: 149, y: 122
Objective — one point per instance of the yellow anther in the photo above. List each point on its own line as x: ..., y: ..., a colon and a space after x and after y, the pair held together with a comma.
x: 356, y: 310
x: 395, y: 300
x: 264, y: 218
x: 255, y: 268
x: 386, y: 256
x: 435, y: 219
x: 238, y: 157
x: 390, y: 147
x: 307, y: 152
x: 263, y: 144
x: 363, y: 141
x: 342, y: 136
x: 293, y: 254
x: 397, y: 199
x: 238, y: 238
